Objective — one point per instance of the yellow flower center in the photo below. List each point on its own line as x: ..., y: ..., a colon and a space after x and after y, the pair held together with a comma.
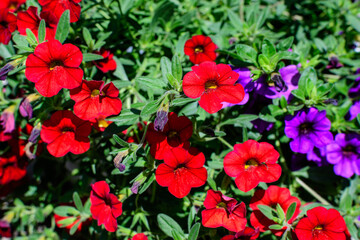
x: 56, y: 63
x: 210, y: 85
x: 221, y: 205
x: 103, y: 123
x: 251, y: 162
x: 95, y: 93
x: 199, y: 49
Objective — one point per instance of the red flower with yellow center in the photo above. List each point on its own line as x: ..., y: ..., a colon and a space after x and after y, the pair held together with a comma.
x: 182, y: 170
x: 108, y: 63
x: 200, y: 49
x: 223, y: 211
x: 64, y: 132
x: 94, y: 99
x: 54, y: 66
x: 320, y: 224
x: 11, y: 5
x: 176, y: 133
x: 251, y: 163
x: 58, y: 7
x: 214, y: 84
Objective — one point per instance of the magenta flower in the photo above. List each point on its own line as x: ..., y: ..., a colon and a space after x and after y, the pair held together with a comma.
x: 344, y: 153
x: 308, y: 128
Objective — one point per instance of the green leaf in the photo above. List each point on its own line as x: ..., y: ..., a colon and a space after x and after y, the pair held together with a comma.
x: 320, y: 44
x: 126, y: 117
x: 240, y: 119
x: 308, y: 80
x: 246, y: 53
x: 150, y: 108
x: 65, y: 211
x: 20, y: 40
x: 285, y: 44
x: 147, y: 184
x: 78, y: 202
x: 268, y: 48
x: 235, y: 20
x: 194, y: 232
x: 151, y: 82
x: 265, y: 64
x: 67, y: 221
x: 349, y: 220
x: 31, y: 38
x: 290, y: 211
x: 212, y: 183
x: 176, y: 69
x: 176, y: 235
x: 275, y: 227
x: 182, y: 101
x: 262, y: 18
x: 165, y: 65
x: 167, y: 225
x: 89, y: 57
x: 346, y: 201
x: 101, y: 41
x: 87, y: 37
x: 191, y: 217
x: 120, y: 70
x: 120, y: 141
x: 354, y: 22
x: 42, y: 31
x: 74, y: 228
x: 63, y: 27
x: 280, y: 212
x: 267, y: 211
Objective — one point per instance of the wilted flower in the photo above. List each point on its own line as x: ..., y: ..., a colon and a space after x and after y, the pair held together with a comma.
x: 7, y: 120
x: 334, y: 63
x: 161, y: 117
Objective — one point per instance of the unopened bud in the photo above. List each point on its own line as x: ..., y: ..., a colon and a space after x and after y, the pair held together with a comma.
x: 35, y: 133
x: 161, y: 116
x: 135, y: 187
x: 4, y: 71
x: 118, y: 159
x: 7, y: 119
x: 331, y: 101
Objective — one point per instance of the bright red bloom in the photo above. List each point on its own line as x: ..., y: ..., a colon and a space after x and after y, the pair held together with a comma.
x: 54, y: 66
x: 31, y: 19
x: 246, y: 234
x: 108, y: 63
x: 5, y: 229
x: 105, y: 207
x: 64, y: 132
x: 58, y: 7
x: 12, y: 168
x: 223, y: 211
x: 7, y: 25
x: 11, y: 5
x: 139, y: 236
x: 94, y: 99
x: 100, y: 123
x: 251, y: 163
x: 321, y: 224
x: 271, y: 197
x: 214, y: 84
x: 182, y: 170
x: 176, y: 133
x: 200, y: 49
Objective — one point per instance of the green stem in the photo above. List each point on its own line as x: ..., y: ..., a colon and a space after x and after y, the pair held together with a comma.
x: 312, y: 192
x: 226, y: 143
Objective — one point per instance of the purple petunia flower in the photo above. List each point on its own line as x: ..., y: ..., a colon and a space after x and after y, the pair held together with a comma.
x: 354, y: 91
x: 282, y: 85
x: 246, y: 81
x: 344, y: 153
x: 308, y: 128
x: 317, y: 155
x: 353, y: 111
x: 7, y: 121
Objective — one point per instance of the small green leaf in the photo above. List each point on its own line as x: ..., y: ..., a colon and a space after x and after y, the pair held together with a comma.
x: 74, y: 228
x: 275, y: 227
x: 268, y: 48
x: 290, y: 211
x: 87, y: 37
x: 120, y: 141
x: 176, y: 235
x: 194, y: 232
x: 147, y: 184
x: 246, y: 53
x: 240, y: 119
x: 63, y: 27
x: 212, y: 183
x: 151, y: 82
x: 265, y: 63
x: 176, y: 68
x: 165, y: 65
x: 267, y: 211
x: 191, y: 217
x: 31, y: 38
x: 126, y: 117
x: 89, y: 57
x: 353, y: 21
x: 150, y: 108
x: 346, y: 201
x: 42, y: 31
x: 280, y: 212
x: 285, y: 44
x: 67, y: 221
x: 167, y: 225
x: 182, y: 101
x: 78, y: 202
x: 65, y: 211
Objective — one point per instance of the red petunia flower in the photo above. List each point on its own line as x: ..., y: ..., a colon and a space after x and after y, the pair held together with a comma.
x: 176, y: 133
x: 108, y: 63
x: 320, y: 224
x: 246, y: 234
x: 7, y: 25
x: 12, y: 168
x: 271, y: 197
x: 64, y: 132
x: 94, y: 99
x: 31, y: 19
x: 251, y: 163
x: 5, y: 229
x: 139, y: 236
x: 214, y: 84
x: 105, y: 207
x: 223, y: 211
x: 11, y: 5
x: 54, y: 66
x: 200, y: 49
x: 58, y: 7
x: 182, y: 170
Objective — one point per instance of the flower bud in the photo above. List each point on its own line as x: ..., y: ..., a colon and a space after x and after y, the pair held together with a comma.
x: 118, y: 159
x: 7, y: 120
